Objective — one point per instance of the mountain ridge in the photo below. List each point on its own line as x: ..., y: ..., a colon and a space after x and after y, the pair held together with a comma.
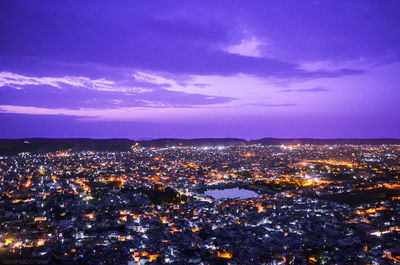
x: 43, y: 145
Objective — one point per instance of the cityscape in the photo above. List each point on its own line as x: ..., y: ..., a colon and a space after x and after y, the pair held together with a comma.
x: 235, y: 204
x: 229, y: 132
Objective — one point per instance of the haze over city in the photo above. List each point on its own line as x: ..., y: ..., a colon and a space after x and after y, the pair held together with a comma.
x: 249, y: 69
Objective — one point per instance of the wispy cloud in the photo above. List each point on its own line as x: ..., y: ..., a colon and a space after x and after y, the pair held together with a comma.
x: 247, y: 47
x: 76, y: 92
x: 305, y: 90
x: 19, y: 81
x: 272, y: 105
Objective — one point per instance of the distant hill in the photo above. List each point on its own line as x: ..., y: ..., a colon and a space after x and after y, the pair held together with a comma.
x: 42, y: 145
x: 193, y: 142
x: 273, y: 141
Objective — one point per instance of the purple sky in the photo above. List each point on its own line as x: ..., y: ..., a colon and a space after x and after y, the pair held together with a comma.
x: 150, y: 69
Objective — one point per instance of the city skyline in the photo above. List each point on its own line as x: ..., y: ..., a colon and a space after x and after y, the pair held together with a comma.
x: 287, y: 69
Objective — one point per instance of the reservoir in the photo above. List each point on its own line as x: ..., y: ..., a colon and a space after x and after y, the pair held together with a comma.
x: 231, y: 193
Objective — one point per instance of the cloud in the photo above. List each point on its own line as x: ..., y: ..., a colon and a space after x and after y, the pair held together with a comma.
x: 320, y: 31
x: 70, y: 92
x: 305, y: 90
x: 18, y: 81
x: 201, y: 85
x: 272, y: 105
x: 188, y: 40
x: 247, y: 47
x: 66, y: 56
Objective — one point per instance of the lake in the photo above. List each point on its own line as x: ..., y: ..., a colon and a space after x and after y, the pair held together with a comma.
x: 231, y: 193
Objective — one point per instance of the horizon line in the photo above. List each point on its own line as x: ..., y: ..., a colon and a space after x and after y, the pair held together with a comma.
x: 200, y: 138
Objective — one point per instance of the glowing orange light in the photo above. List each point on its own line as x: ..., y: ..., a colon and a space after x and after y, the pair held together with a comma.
x: 312, y: 260
x: 370, y: 211
x: 260, y: 209
x: 28, y: 184
x: 391, y: 186
x: 225, y: 255
x: 390, y: 255
x: 90, y: 215
x: 40, y: 243
x: 8, y: 241
x: 124, y: 218
x: 153, y: 257
x: 40, y: 219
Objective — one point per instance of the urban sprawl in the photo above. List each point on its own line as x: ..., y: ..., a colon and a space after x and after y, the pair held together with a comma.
x: 312, y: 204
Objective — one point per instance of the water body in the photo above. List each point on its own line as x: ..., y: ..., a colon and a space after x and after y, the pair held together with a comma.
x: 231, y: 193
